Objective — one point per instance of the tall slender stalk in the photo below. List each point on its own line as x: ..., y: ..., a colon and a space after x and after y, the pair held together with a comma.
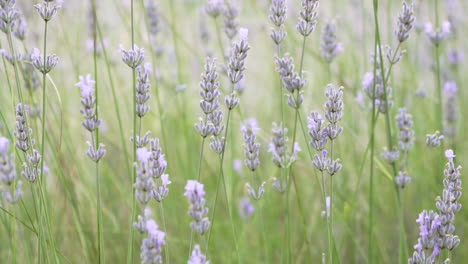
x: 134, y: 116
x: 221, y: 178
x: 101, y: 257
x: 372, y: 152
x: 378, y: 50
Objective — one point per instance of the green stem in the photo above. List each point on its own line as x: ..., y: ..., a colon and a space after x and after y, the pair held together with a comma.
x: 221, y: 176
x: 114, y: 95
x: 101, y: 257
x: 161, y: 206
x: 133, y: 216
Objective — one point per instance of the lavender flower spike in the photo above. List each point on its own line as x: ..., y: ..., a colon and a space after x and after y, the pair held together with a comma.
x: 330, y: 48
x: 38, y: 61
x: 152, y: 245
x: 428, y: 246
x: 88, y: 100
x: 251, y: 147
x: 437, y: 36
x: 8, y: 173
x: 405, y: 22
x: 133, y: 57
x: 214, y: 8
x: 195, y: 193
x: 278, y: 17
x: 197, y: 257
x: 308, y: 17
x: 47, y: 11
x: 231, y: 25
x: 434, y: 140
x: 142, y: 89
x: 238, y: 55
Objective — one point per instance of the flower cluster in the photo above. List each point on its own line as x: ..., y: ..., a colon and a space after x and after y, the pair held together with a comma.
x: 9, y: 15
x: 152, y: 181
x: 308, y: 17
x: 405, y: 128
x: 133, y: 57
x: 152, y: 11
x: 437, y: 229
x: 214, y: 8
x: 251, y: 147
x: 212, y: 122
x: 317, y: 131
x: 292, y: 81
x: 197, y: 256
x: 278, y: 17
x: 252, y: 153
x: 88, y: 100
x: 46, y: 10
x: 46, y: 66
x: 151, y: 247
x: 451, y: 111
x: 427, y: 247
x: 434, y: 140
x: 278, y: 147
x: 142, y: 89
x: 320, y: 135
x: 382, y: 92
x: 231, y: 25
x: 246, y: 208
x: 195, y: 193
x: 236, y: 64
x: 405, y: 22
x: 24, y: 142
x: 330, y: 48
x: 8, y: 173
x: 437, y: 36
x: 449, y: 204
x: 91, y: 122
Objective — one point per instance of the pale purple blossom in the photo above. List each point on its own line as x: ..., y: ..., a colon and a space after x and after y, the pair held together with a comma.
x: 4, y: 145
x: 243, y: 34
x: 246, y: 208
x: 197, y: 257
x: 86, y: 84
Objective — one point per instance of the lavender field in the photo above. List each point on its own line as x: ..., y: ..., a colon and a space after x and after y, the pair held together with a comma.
x: 233, y: 131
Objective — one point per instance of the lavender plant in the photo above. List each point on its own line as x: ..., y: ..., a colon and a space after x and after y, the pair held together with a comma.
x: 330, y: 47
x: 12, y: 191
x: 231, y: 24
x: 252, y: 153
x: 195, y: 193
x: 434, y: 140
x: 278, y: 33
x: 437, y: 229
x: 211, y: 122
x: 235, y: 73
x: 451, y: 111
x: 323, y: 161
